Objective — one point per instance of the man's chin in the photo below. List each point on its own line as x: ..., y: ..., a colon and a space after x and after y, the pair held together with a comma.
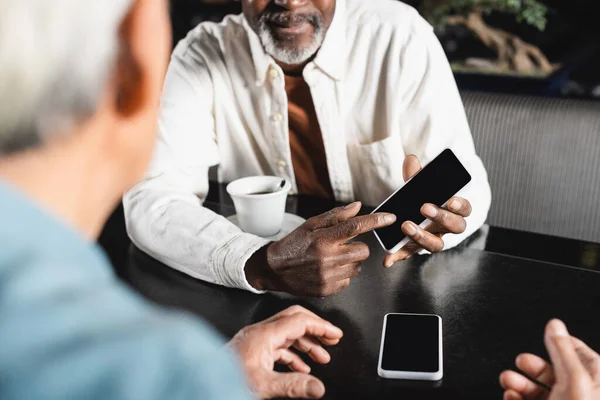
x: 289, y: 49
x: 294, y: 45
x: 292, y: 57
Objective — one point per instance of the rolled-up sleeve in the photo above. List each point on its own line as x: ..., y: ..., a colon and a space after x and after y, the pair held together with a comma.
x: 164, y: 213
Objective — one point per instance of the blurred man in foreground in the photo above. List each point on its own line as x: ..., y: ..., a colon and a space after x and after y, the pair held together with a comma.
x: 79, y: 91
x: 573, y: 375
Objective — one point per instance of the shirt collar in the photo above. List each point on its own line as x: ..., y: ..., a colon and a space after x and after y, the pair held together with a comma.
x: 330, y: 56
x: 327, y: 59
x: 262, y: 61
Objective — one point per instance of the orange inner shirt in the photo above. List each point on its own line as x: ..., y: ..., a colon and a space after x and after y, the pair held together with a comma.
x: 306, y: 142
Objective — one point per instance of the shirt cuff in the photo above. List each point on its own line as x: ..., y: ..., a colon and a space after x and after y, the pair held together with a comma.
x: 231, y: 260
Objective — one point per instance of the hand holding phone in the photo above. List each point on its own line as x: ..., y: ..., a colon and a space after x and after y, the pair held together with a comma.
x: 423, y: 216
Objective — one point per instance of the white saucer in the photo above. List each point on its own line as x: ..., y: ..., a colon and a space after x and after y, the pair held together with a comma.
x: 290, y: 222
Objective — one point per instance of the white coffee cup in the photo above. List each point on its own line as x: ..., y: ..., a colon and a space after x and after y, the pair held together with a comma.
x: 260, y: 210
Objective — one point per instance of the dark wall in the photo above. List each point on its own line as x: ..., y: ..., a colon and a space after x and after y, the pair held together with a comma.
x: 571, y: 39
x: 570, y: 22
x: 186, y: 14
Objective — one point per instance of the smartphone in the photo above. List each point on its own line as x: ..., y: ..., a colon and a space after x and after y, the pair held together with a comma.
x: 441, y: 179
x: 411, y: 347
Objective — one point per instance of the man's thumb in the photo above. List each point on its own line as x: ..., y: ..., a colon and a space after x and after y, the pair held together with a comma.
x: 296, y: 385
x: 410, y: 167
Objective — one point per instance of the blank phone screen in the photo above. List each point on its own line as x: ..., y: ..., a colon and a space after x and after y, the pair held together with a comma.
x: 441, y: 179
x: 411, y: 343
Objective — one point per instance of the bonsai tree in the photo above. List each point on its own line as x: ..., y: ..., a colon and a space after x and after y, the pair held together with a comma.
x: 513, y: 54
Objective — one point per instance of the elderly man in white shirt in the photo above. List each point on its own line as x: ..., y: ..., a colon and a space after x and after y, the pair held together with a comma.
x: 344, y: 99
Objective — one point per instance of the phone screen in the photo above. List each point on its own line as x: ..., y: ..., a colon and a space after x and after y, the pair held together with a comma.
x: 411, y: 343
x: 441, y: 179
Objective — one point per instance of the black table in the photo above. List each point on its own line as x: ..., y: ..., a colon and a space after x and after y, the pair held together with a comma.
x: 493, y: 305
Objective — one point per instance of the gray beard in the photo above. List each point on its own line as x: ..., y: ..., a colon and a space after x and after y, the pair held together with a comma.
x: 291, y: 56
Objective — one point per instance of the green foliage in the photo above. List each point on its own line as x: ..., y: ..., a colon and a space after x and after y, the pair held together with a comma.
x: 531, y: 12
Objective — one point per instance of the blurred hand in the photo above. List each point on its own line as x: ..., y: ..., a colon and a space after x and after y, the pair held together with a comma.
x: 315, y: 259
x: 443, y: 220
x: 261, y: 345
x: 573, y: 375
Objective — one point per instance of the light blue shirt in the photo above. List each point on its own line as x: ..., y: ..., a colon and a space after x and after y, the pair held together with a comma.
x: 70, y: 330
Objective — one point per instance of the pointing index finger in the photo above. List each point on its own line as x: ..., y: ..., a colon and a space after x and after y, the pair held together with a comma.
x: 359, y: 225
x: 334, y: 216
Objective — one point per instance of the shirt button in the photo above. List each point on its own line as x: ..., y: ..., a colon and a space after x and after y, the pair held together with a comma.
x: 281, y: 164
x: 273, y: 73
x: 277, y: 117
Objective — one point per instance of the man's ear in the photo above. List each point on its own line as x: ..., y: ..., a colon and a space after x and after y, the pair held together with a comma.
x: 129, y: 78
x: 145, y: 43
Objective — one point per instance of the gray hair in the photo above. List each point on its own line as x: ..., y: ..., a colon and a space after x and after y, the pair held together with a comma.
x: 56, y: 57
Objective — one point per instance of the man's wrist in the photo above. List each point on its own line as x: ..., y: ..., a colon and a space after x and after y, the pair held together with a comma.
x: 257, y: 270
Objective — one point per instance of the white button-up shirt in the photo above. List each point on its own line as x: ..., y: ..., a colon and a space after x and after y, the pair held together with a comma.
x: 382, y: 89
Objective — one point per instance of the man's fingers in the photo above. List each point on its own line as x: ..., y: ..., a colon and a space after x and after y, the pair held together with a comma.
x: 537, y: 368
x: 424, y: 239
x: 333, y: 217
x: 294, y: 385
x: 291, y: 311
x: 410, y: 167
x: 290, y: 328
x: 292, y: 360
x: 337, y: 265
x: 460, y: 206
x: 295, y: 309
x: 355, y: 252
x: 335, y: 288
x: 358, y: 225
x: 512, y: 395
x: 403, y: 254
x: 562, y: 352
x: 590, y: 359
x: 313, y: 348
x: 328, y: 342
x: 513, y: 381
x: 343, y: 272
x: 444, y: 219
x: 391, y: 259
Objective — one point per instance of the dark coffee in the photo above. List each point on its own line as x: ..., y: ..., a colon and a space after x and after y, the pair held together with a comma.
x: 255, y: 193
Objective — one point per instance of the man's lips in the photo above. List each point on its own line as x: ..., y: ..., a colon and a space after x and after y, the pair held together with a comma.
x: 290, y: 28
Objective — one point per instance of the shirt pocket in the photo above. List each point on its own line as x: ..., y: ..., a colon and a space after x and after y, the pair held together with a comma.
x: 377, y: 169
